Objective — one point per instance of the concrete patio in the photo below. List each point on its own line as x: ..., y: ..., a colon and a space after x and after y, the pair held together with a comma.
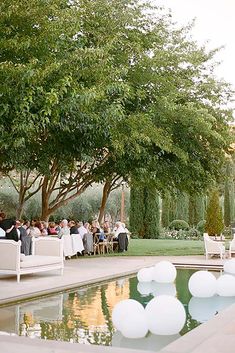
x: 217, y: 335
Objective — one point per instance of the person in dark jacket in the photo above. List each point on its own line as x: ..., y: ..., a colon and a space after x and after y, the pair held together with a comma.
x: 26, y: 240
x: 8, y: 225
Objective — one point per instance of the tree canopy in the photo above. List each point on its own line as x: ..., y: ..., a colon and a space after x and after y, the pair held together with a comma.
x: 91, y: 88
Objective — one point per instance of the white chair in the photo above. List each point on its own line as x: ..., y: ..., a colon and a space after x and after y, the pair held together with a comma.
x: 213, y: 247
x: 231, y: 247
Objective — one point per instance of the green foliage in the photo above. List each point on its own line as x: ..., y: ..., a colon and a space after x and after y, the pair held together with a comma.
x: 178, y: 224
x: 194, y: 233
x: 182, y: 206
x: 214, y: 218
x: 152, y: 213
x: 196, y: 209
x: 79, y: 89
x: 144, y: 212
x: 165, y: 219
x: 201, y: 226
x: 137, y: 209
x: 227, y: 208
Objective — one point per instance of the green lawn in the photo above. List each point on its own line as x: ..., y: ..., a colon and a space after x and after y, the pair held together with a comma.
x: 146, y: 247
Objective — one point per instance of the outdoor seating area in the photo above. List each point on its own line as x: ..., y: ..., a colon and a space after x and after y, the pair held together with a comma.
x: 47, y: 255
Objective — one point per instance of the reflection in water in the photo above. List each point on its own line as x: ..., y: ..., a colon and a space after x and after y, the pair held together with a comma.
x: 84, y: 315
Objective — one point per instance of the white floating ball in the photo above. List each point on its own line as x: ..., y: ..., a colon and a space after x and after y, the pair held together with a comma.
x: 123, y: 309
x: 145, y: 274
x: 202, y: 284
x: 203, y: 309
x: 229, y: 266
x: 135, y: 325
x: 144, y: 288
x: 224, y: 302
x: 165, y: 315
x: 225, y: 286
x: 163, y: 289
x: 164, y: 272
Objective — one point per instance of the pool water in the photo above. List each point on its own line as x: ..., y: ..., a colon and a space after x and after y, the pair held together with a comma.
x: 84, y: 315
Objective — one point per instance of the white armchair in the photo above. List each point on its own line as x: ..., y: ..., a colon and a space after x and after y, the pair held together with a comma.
x: 213, y: 247
x: 231, y: 247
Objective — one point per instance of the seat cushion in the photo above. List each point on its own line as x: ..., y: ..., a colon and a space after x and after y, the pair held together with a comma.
x: 39, y: 260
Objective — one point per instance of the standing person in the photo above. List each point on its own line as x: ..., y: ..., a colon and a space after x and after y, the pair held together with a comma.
x: 64, y: 228
x: 64, y: 234
x: 26, y: 240
x: 88, y: 239
x: 8, y: 225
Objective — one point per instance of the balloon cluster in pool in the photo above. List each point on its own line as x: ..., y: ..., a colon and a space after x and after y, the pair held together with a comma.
x: 165, y: 314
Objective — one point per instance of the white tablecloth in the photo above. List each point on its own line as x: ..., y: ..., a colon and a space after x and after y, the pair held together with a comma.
x: 77, y: 243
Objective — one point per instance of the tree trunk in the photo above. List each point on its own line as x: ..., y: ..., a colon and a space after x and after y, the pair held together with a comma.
x: 21, y: 198
x: 19, y: 211
x: 105, y: 195
x: 45, y: 200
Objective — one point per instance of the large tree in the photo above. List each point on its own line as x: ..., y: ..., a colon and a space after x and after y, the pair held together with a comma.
x: 92, y: 88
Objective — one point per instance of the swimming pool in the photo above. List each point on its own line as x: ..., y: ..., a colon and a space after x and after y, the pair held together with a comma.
x: 84, y: 315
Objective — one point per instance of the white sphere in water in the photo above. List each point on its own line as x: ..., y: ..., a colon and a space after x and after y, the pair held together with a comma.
x: 224, y: 302
x: 145, y: 274
x: 135, y: 325
x: 165, y: 315
x: 203, y: 309
x: 202, y: 284
x: 144, y: 288
x: 164, y: 272
x: 229, y: 266
x: 124, y: 309
x: 225, y: 286
x: 163, y: 289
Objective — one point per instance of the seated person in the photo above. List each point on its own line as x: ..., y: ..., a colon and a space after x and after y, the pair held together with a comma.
x: 120, y: 234
x: 52, y: 229
x: 101, y: 236
x: 106, y: 227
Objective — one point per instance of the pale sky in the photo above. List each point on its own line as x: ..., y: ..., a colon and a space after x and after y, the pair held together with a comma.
x: 215, y: 22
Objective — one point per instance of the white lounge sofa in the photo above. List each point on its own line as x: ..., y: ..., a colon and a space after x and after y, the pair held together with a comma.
x: 47, y: 255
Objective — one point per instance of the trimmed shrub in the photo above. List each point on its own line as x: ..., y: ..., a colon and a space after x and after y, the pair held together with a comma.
x: 214, y: 218
x: 194, y: 233
x: 178, y: 224
x: 201, y: 226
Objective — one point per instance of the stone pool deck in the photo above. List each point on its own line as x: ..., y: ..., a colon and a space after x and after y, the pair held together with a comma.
x: 215, y: 336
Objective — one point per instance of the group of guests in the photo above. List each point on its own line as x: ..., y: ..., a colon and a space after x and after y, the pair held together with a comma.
x: 26, y: 230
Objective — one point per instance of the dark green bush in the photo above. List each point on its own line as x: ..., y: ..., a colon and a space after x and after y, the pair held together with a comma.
x: 194, y: 233
x: 178, y: 224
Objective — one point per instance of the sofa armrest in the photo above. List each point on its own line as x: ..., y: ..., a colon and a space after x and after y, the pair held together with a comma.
x: 10, y: 254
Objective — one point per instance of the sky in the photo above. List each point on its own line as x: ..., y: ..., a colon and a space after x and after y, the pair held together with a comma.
x: 215, y: 23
